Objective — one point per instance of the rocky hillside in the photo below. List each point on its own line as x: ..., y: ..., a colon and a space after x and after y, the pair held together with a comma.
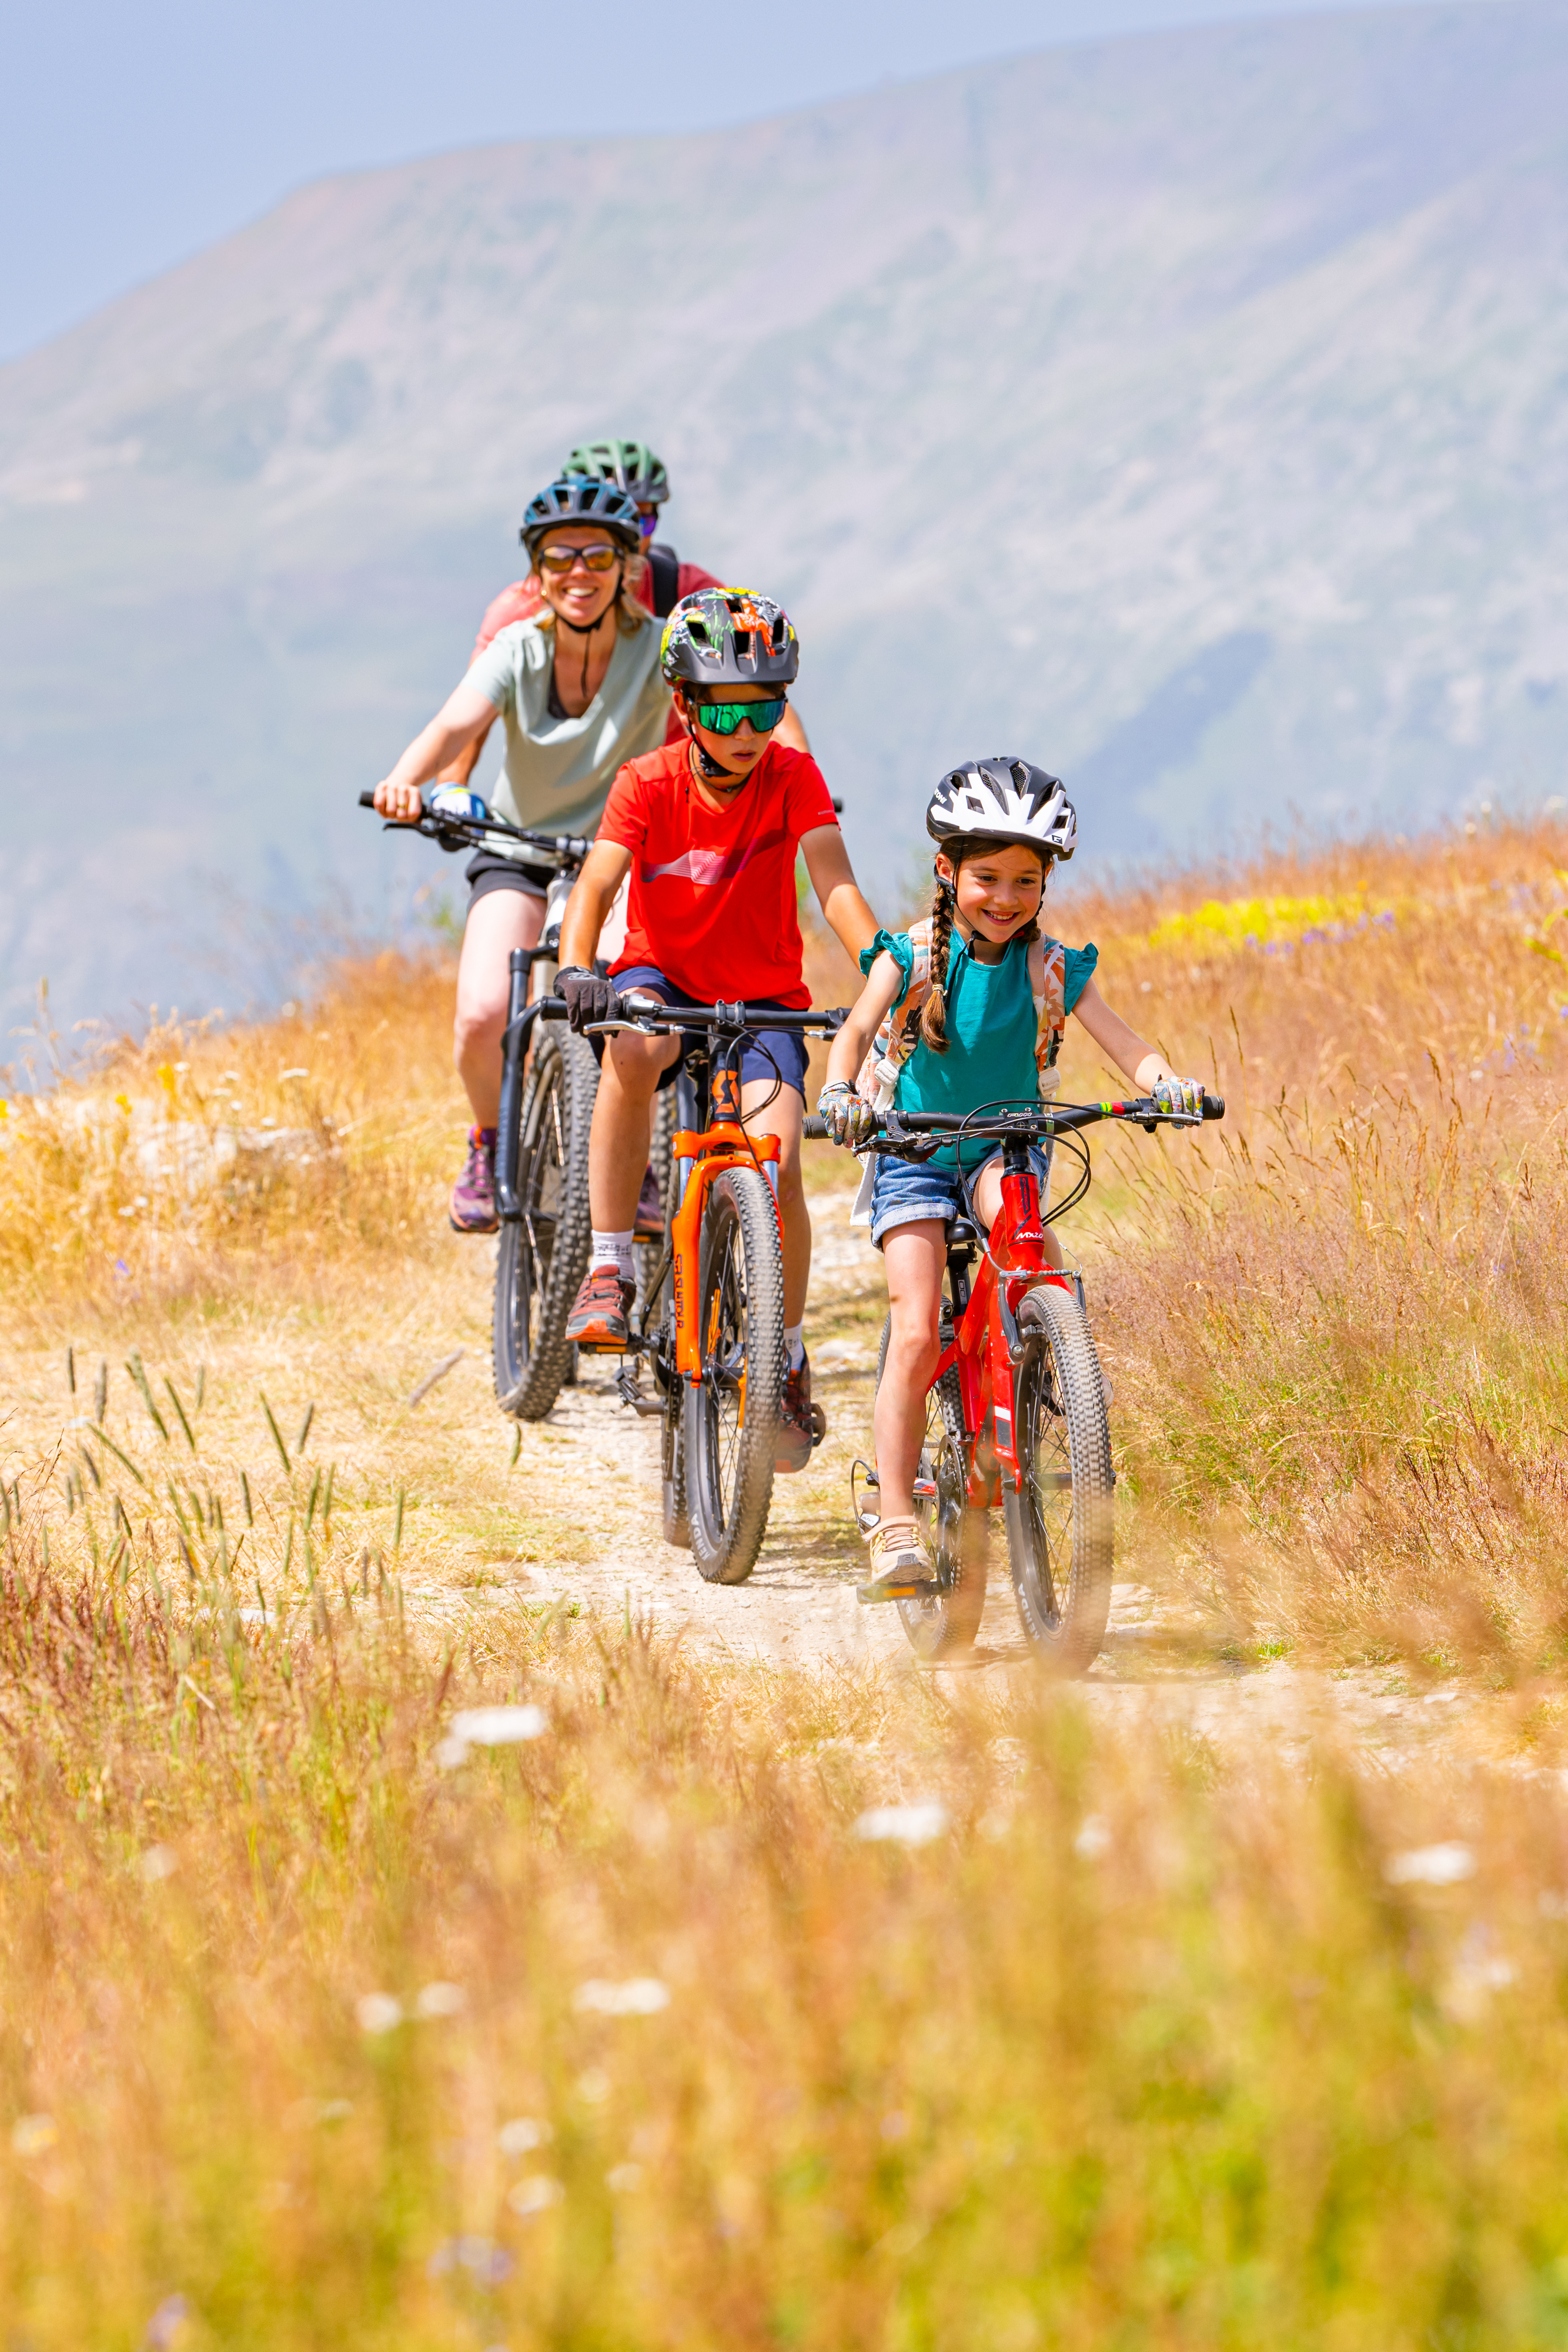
x: 1186, y: 411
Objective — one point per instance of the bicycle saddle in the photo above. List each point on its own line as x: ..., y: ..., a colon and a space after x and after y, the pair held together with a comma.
x: 961, y: 1231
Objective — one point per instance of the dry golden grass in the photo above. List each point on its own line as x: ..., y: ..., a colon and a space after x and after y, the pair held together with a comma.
x: 1151, y: 2043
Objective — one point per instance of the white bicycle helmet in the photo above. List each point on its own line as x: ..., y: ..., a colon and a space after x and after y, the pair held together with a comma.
x: 1004, y: 800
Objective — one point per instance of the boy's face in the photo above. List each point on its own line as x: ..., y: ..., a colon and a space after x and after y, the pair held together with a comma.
x: 998, y: 890
x: 739, y: 753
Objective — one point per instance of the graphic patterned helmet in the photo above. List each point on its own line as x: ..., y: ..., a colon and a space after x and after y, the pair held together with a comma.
x: 578, y: 498
x: 630, y: 464
x: 728, y: 636
x: 1004, y: 800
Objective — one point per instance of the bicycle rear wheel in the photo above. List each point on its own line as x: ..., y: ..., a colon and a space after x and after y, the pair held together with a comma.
x: 543, y: 1255
x: 954, y: 1536
x: 1060, y: 1527
x: 732, y: 1412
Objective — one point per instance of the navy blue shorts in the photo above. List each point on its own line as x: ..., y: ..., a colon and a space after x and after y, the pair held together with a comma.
x: 787, y: 1047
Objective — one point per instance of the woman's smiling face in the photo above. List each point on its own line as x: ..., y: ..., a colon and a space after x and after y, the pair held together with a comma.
x: 582, y: 595
x: 998, y: 890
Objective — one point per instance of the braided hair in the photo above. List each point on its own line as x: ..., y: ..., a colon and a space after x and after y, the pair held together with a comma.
x: 932, y: 1015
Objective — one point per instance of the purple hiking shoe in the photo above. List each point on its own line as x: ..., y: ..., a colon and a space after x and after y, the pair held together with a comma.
x: 473, y: 1206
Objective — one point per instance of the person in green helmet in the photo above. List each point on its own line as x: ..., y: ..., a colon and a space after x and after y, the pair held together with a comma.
x: 634, y: 469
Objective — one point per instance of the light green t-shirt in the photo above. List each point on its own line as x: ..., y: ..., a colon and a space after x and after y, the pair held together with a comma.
x: 558, y: 771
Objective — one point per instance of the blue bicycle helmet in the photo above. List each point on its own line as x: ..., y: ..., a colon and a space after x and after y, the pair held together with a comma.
x: 578, y: 497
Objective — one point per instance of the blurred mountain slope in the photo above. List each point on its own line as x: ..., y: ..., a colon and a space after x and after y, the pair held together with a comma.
x: 1186, y: 411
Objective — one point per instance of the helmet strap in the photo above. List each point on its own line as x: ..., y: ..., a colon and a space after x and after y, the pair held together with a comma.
x: 712, y: 768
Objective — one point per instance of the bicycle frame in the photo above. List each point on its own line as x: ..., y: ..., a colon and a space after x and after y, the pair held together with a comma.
x: 699, y: 1156
x: 985, y: 1347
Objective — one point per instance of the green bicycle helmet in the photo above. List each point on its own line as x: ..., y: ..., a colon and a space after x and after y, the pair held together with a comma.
x: 630, y: 464
x: 579, y: 499
x: 728, y: 636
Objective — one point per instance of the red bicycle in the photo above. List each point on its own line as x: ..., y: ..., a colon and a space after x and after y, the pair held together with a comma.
x: 1017, y: 1404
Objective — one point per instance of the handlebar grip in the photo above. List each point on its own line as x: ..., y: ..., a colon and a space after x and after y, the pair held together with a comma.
x: 367, y: 800
x: 1213, y: 1106
x: 815, y: 1130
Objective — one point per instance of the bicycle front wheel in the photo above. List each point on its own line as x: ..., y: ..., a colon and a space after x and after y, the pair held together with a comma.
x: 732, y: 1411
x: 1060, y: 1521
x: 543, y: 1256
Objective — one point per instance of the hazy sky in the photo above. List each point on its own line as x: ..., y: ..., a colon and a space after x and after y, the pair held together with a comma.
x: 136, y: 134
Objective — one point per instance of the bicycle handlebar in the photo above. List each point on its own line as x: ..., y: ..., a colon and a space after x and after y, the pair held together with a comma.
x: 915, y: 1135
x: 650, y: 1016
x: 474, y: 827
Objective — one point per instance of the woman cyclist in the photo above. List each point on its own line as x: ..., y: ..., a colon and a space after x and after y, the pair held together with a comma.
x: 580, y: 689
x: 964, y: 1009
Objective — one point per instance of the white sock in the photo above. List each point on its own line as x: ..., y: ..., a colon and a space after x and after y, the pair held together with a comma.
x: 613, y: 1249
x: 795, y: 1344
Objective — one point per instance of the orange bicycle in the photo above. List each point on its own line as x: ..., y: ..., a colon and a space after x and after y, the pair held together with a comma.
x: 712, y: 1321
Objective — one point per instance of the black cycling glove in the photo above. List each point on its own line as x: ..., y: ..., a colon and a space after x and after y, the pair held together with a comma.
x: 589, y: 997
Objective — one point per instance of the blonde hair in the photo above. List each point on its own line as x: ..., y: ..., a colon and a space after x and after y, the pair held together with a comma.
x: 630, y: 613
x: 944, y: 905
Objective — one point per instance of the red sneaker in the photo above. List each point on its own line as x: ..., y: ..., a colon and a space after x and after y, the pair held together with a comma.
x: 598, y: 1319
x: 473, y: 1206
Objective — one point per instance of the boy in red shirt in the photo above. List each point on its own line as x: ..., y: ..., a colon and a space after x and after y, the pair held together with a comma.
x: 708, y: 830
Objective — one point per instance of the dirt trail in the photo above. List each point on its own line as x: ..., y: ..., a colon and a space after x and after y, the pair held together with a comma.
x: 799, y: 1606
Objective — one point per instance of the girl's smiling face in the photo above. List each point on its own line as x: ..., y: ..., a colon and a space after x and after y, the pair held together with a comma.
x: 998, y: 890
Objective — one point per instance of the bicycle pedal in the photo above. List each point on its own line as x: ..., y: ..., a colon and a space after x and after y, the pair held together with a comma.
x: 651, y: 1408
x: 868, y: 1521
x: 919, y: 1588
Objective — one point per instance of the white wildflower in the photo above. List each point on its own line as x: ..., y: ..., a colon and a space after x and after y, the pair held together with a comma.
x: 378, y: 2012
x: 499, y: 1726
x: 1430, y: 1866
x: 535, y: 2194
x: 638, y: 1997
x: 906, y: 1824
x: 440, y: 2000
x: 522, y: 2135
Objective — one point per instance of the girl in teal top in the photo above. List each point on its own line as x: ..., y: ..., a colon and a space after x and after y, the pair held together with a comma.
x: 964, y: 1010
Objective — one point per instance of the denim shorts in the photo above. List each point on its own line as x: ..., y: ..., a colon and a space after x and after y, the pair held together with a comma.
x: 907, y: 1192
x: 787, y: 1047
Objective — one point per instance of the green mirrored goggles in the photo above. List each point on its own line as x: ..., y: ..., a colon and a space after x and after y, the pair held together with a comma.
x: 723, y: 717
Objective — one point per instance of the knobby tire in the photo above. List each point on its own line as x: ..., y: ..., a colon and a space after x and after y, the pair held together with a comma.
x: 730, y: 1450
x: 543, y: 1256
x: 1060, y: 1523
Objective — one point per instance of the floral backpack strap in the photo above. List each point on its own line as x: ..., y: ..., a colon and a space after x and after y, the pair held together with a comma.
x: 1050, y: 1000
x: 894, y: 1041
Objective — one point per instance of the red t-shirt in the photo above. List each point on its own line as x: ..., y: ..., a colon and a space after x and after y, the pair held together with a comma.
x: 712, y: 902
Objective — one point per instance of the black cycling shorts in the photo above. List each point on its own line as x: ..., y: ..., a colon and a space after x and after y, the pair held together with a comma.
x: 487, y: 870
